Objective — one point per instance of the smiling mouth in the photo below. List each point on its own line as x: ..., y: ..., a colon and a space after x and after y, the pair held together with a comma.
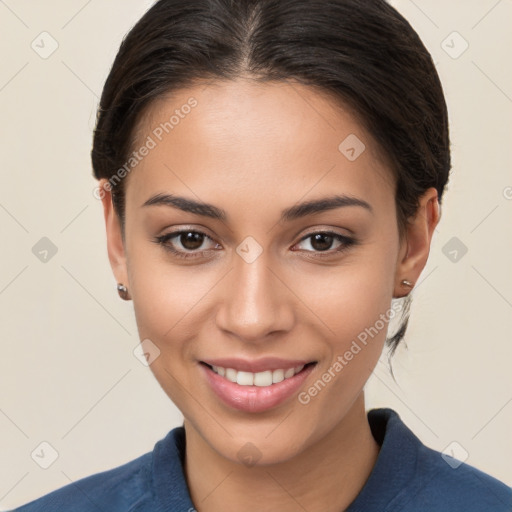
x: 262, y: 379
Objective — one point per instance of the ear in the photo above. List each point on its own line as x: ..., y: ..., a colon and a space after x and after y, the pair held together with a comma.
x: 415, y: 248
x: 115, y: 246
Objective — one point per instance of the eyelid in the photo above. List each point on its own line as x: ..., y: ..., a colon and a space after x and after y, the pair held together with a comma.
x: 315, y: 228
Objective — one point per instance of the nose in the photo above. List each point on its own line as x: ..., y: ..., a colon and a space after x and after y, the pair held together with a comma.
x: 256, y: 301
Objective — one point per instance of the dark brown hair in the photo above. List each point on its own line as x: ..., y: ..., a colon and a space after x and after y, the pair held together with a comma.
x: 361, y: 52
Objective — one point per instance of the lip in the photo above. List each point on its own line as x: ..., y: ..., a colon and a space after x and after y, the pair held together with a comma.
x: 256, y: 365
x: 254, y: 398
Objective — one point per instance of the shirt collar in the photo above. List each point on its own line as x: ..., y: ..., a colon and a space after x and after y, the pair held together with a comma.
x: 395, y: 465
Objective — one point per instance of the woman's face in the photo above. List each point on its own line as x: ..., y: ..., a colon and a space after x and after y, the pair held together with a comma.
x: 256, y: 284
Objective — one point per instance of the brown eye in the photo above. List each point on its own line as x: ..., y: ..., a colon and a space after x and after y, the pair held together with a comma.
x: 185, y: 243
x: 191, y: 240
x: 322, y: 242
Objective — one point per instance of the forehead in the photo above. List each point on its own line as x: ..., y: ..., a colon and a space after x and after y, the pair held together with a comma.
x: 270, y: 140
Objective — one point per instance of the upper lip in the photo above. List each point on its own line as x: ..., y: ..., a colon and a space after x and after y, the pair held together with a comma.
x: 256, y: 365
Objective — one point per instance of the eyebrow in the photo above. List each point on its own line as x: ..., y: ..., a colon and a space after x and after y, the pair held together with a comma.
x: 294, y: 212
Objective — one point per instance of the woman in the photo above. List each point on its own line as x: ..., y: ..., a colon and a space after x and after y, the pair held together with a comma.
x: 271, y: 173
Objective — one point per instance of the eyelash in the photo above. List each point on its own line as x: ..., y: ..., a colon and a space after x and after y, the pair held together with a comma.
x: 347, y: 242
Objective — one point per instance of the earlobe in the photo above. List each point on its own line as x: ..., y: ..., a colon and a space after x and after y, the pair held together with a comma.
x: 417, y: 242
x: 115, y: 245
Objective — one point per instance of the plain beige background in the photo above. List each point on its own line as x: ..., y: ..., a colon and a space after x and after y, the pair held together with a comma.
x: 68, y: 373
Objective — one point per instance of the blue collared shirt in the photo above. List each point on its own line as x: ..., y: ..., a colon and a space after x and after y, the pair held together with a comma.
x: 408, y: 476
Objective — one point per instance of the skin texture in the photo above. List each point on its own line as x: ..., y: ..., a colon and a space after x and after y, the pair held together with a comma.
x: 253, y: 150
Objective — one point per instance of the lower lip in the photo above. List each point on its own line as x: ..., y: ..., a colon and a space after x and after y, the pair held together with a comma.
x: 254, y: 398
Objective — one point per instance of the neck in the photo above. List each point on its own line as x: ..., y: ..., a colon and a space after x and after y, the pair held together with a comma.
x: 325, y: 477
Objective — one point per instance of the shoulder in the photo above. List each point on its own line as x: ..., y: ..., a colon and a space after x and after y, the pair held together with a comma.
x: 446, y: 483
x: 423, y: 479
x: 115, y: 489
x: 153, y: 482
x: 130, y: 487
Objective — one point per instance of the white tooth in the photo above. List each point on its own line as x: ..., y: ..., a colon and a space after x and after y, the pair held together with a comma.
x: 263, y: 378
x: 231, y: 374
x: 277, y: 376
x: 289, y: 373
x: 245, y: 378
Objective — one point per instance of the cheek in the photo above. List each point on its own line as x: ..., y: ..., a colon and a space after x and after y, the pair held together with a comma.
x: 357, y: 309
x: 347, y: 299
x: 167, y: 301
x: 352, y: 308
x: 166, y: 296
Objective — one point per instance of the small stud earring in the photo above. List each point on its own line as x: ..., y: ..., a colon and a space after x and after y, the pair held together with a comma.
x: 407, y: 283
x: 123, y: 291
